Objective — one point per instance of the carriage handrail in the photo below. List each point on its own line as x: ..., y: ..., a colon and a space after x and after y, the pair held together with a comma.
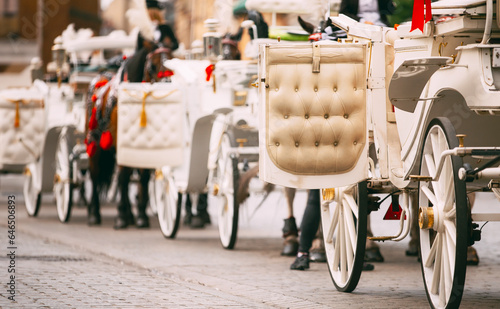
x: 489, y: 21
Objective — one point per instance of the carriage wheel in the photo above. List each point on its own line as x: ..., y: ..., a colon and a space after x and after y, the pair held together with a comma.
x: 344, y: 231
x: 226, y: 181
x: 168, y: 202
x: 63, y: 188
x: 443, y: 219
x: 32, y: 197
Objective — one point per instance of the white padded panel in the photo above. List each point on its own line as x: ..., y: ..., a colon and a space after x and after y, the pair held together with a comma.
x: 282, y: 6
x: 160, y: 142
x: 315, y: 122
x: 30, y: 133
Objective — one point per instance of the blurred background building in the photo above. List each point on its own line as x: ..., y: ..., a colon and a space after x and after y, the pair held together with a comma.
x: 28, y: 27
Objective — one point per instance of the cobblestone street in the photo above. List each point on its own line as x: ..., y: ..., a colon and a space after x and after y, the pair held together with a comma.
x: 75, y: 266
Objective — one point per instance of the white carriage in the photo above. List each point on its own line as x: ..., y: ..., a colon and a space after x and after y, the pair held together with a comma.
x: 59, y: 161
x: 324, y: 105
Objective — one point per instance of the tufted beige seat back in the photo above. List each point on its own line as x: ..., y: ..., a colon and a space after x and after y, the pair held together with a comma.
x: 315, y: 107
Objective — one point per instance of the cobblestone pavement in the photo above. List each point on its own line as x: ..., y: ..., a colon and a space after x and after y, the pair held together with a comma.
x: 75, y: 266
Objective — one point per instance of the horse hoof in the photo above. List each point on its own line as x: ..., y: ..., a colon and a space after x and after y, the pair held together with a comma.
x: 290, y: 248
x: 472, y: 257
x: 120, y: 223
x: 373, y: 255
x: 142, y: 222
x: 197, y: 222
x: 93, y: 220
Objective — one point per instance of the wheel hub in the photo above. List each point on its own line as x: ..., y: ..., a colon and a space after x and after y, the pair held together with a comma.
x: 426, y: 217
x: 27, y: 172
x: 328, y: 194
x: 57, y: 178
x: 158, y: 174
x: 215, y: 189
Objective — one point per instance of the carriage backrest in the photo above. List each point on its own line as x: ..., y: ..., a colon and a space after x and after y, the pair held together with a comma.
x: 315, y: 112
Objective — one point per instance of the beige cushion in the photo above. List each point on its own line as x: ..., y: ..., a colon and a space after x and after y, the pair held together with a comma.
x: 160, y: 142
x: 21, y: 144
x: 315, y: 121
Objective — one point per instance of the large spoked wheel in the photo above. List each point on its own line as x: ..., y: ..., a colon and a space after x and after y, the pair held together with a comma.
x: 63, y: 188
x: 168, y: 204
x: 226, y: 182
x: 32, y: 196
x: 443, y: 219
x: 344, y: 230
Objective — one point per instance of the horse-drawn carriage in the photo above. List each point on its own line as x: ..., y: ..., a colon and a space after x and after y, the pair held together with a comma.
x: 325, y: 105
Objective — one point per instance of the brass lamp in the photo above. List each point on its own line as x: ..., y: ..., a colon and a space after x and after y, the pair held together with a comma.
x: 59, y: 58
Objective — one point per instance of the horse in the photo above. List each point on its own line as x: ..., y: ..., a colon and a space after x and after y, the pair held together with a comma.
x: 101, y: 136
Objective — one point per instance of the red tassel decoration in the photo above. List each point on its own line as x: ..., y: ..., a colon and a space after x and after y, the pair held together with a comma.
x: 93, y: 120
x: 101, y: 83
x: 209, y: 71
x: 91, y: 149
x: 106, y: 140
x: 94, y: 98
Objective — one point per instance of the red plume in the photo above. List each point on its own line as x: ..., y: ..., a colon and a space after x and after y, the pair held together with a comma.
x: 106, y: 140
x: 91, y: 149
x: 93, y: 120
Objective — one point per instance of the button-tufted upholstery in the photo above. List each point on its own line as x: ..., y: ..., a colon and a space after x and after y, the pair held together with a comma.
x: 315, y: 100
x: 160, y: 141
x: 21, y: 144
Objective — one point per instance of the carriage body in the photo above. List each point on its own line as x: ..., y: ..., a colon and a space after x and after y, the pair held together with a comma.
x: 444, y: 87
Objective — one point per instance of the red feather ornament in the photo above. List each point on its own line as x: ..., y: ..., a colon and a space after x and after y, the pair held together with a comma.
x: 106, y: 140
x: 93, y: 120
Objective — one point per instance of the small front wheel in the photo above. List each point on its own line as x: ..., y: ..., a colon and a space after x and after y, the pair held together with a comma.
x: 32, y: 196
x: 168, y: 204
x: 63, y: 188
x: 344, y: 221
x: 225, y: 186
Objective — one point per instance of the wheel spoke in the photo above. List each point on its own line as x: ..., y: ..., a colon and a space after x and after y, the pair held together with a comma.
x: 431, y: 256
x: 350, y: 226
x: 431, y: 166
x: 352, y: 204
x: 333, y: 224
x: 336, y: 251
x: 436, y: 275
x: 430, y: 195
x: 343, y: 253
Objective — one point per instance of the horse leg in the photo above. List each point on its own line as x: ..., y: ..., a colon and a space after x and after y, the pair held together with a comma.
x: 93, y: 208
x: 142, y: 203
x: 290, y: 230
x: 202, y: 217
x: 125, y: 216
x: 189, y: 210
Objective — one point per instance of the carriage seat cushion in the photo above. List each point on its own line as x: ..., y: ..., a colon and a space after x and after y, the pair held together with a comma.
x: 160, y: 141
x: 315, y: 107
x: 21, y: 131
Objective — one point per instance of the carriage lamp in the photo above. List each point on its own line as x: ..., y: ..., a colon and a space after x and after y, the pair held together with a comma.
x: 425, y: 218
x: 59, y: 58
x: 328, y: 194
x: 212, y: 41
